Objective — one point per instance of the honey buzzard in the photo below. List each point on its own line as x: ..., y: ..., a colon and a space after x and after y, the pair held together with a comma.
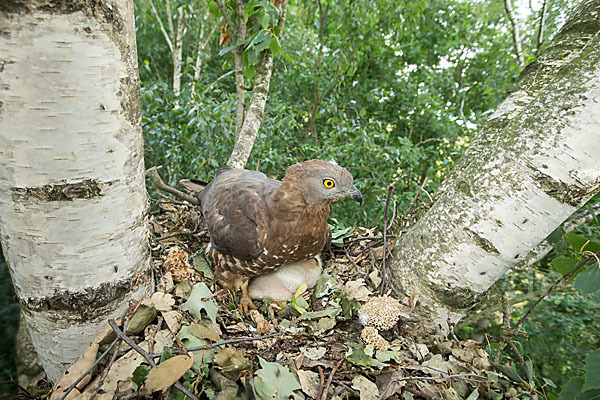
x: 257, y: 224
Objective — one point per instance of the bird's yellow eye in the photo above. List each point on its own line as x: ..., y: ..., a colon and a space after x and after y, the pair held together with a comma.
x: 328, y: 183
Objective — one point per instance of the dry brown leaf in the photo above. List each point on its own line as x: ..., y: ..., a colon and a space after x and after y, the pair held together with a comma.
x: 173, y: 320
x: 167, y: 373
x: 374, y: 277
x: 120, y: 371
x: 368, y: 390
x: 357, y: 290
x: 206, y: 331
x: 161, y: 301
x: 224, y: 39
x: 310, y: 382
x: 83, y: 363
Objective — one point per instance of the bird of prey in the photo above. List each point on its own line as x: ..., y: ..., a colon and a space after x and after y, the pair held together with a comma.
x: 257, y: 224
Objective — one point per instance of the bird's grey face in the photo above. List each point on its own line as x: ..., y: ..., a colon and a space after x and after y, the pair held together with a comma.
x: 330, y: 182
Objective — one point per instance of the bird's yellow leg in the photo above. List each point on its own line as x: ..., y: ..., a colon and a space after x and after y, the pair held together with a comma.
x: 245, y: 302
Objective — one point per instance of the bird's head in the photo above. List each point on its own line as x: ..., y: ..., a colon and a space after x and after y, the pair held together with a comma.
x: 322, y: 181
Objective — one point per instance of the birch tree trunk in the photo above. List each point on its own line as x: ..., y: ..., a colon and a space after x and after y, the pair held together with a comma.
x: 73, y: 214
x: 533, y: 164
x: 248, y: 119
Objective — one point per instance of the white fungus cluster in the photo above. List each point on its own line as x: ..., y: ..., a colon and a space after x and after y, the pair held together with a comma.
x: 370, y: 335
x: 379, y: 313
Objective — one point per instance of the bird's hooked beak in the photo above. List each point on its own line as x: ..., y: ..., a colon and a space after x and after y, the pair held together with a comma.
x: 355, y: 194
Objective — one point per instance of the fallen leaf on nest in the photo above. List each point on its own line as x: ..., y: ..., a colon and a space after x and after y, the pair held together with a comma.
x: 202, y: 266
x: 196, y: 303
x: 383, y: 380
x: 357, y: 290
x: 142, y: 317
x: 206, y: 330
x: 173, y: 320
x: 183, y: 289
x: 83, y: 363
x: 161, y: 301
x: 310, y: 382
x: 374, y: 277
x: 167, y: 373
x: 368, y: 390
x: 274, y: 381
x: 231, y: 359
x: 313, y: 353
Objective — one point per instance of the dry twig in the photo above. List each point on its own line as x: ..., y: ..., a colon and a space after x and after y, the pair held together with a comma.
x: 152, y: 173
x: 147, y: 356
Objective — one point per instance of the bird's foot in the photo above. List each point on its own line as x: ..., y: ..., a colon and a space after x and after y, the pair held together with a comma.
x: 246, y: 303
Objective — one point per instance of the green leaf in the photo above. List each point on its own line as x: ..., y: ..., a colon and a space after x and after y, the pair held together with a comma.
x: 387, y: 355
x: 265, y: 20
x: 325, y: 285
x: 275, y: 47
x: 166, y: 354
x: 528, y: 369
x: 581, y: 243
x: 360, y: 358
x: 260, y: 37
x: 332, y: 311
x: 274, y: 381
x: 574, y: 390
x: 189, y: 340
x: 213, y: 8
x: 549, y: 382
x: 202, y: 266
x: 195, y: 303
x: 509, y: 371
x: 139, y: 376
x: 588, y: 281
x: 592, y: 370
x: 227, y: 49
x: 563, y: 264
x: 250, y: 9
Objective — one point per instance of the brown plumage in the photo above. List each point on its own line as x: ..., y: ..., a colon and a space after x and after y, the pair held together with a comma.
x: 257, y: 225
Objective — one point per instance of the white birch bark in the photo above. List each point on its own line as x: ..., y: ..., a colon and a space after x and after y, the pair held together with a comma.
x: 73, y: 220
x: 532, y: 165
x: 251, y: 120
x: 178, y: 53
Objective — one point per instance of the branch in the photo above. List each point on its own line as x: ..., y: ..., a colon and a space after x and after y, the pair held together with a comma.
x: 147, y: 356
x: 566, y: 276
x: 516, y: 34
x: 223, y: 343
x: 74, y: 384
x: 390, y: 188
x: 226, y: 74
x: 162, y: 27
x: 540, y: 33
x: 152, y: 173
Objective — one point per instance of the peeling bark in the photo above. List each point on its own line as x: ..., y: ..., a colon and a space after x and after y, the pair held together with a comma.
x: 72, y: 198
x: 532, y: 165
